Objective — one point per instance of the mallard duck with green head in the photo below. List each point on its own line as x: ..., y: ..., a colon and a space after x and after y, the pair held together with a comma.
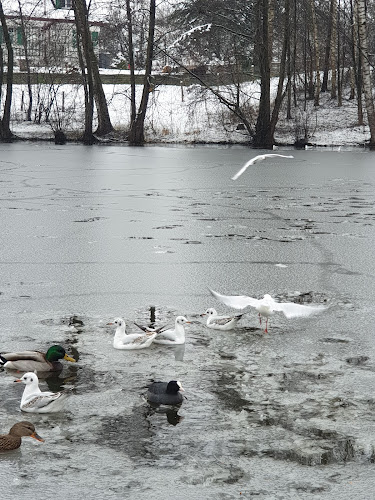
x: 29, y: 361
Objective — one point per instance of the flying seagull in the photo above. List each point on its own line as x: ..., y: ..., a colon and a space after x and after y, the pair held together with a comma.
x: 267, y: 306
x: 255, y: 160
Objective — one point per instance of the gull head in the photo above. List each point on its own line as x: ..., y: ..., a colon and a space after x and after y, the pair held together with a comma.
x: 181, y: 320
x: 268, y: 298
x: 118, y: 322
x: 28, y: 378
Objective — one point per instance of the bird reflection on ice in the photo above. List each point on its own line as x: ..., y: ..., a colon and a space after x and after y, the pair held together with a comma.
x: 179, y: 352
x: 172, y: 415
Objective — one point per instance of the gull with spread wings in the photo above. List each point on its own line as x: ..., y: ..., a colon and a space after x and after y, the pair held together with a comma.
x: 267, y: 306
x: 256, y: 159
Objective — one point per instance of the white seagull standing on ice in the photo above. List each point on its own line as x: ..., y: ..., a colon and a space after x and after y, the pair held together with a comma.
x: 255, y: 160
x: 267, y: 306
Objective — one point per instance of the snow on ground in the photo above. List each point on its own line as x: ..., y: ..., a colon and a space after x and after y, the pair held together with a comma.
x: 190, y: 114
x: 326, y: 125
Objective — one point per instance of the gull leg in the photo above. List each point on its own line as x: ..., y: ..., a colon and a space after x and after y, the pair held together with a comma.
x: 260, y: 318
x: 266, y: 331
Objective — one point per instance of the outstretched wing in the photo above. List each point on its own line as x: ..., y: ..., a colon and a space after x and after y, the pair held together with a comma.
x: 236, y: 301
x: 247, y: 164
x: 292, y: 310
x: 255, y: 160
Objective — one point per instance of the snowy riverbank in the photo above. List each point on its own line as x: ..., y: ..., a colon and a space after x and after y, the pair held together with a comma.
x: 190, y: 115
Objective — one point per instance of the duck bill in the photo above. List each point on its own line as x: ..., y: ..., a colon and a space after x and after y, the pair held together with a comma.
x: 68, y: 358
x: 36, y: 436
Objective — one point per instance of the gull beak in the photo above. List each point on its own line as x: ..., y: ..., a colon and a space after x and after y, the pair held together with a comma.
x: 18, y: 380
x: 68, y: 358
x: 203, y: 314
x: 36, y: 436
x: 109, y: 324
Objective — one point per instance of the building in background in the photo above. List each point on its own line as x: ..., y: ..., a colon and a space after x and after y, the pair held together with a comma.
x: 50, y: 32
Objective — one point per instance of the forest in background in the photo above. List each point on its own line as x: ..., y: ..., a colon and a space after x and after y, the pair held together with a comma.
x: 311, y: 46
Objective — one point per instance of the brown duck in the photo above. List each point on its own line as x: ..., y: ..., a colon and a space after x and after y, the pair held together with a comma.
x: 12, y: 440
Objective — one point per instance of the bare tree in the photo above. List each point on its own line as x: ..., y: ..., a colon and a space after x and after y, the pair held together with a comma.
x: 291, y: 59
x: 83, y: 33
x: 27, y: 62
x: 5, y: 133
x: 280, y: 88
x: 366, y: 69
x: 90, y: 74
x: 357, y: 61
x: 136, y: 133
x: 316, y: 52
x: 327, y: 55
x: 263, y: 134
x: 333, y: 50
x: 131, y: 63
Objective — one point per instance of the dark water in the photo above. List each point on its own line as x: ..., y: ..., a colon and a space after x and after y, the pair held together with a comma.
x: 100, y: 232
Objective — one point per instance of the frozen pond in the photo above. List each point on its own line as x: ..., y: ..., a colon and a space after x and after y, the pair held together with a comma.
x: 93, y: 233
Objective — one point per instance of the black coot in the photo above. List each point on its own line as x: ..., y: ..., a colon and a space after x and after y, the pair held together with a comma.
x: 165, y: 393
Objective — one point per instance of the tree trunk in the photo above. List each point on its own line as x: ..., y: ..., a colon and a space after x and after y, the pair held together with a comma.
x: 334, y: 50
x: 84, y: 61
x: 1, y: 73
x: 305, y: 69
x: 271, y: 22
x: 290, y: 62
x: 328, y: 51
x: 27, y: 62
x: 316, y: 53
x: 339, y: 72
x: 263, y: 135
x: 310, y: 67
x: 294, y: 53
x: 131, y: 64
x: 357, y: 62
x: 94, y: 83
x: 5, y: 133
x: 104, y: 122
x: 352, y: 83
x: 280, y: 87
x: 136, y: 134
x: 366, y: 69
